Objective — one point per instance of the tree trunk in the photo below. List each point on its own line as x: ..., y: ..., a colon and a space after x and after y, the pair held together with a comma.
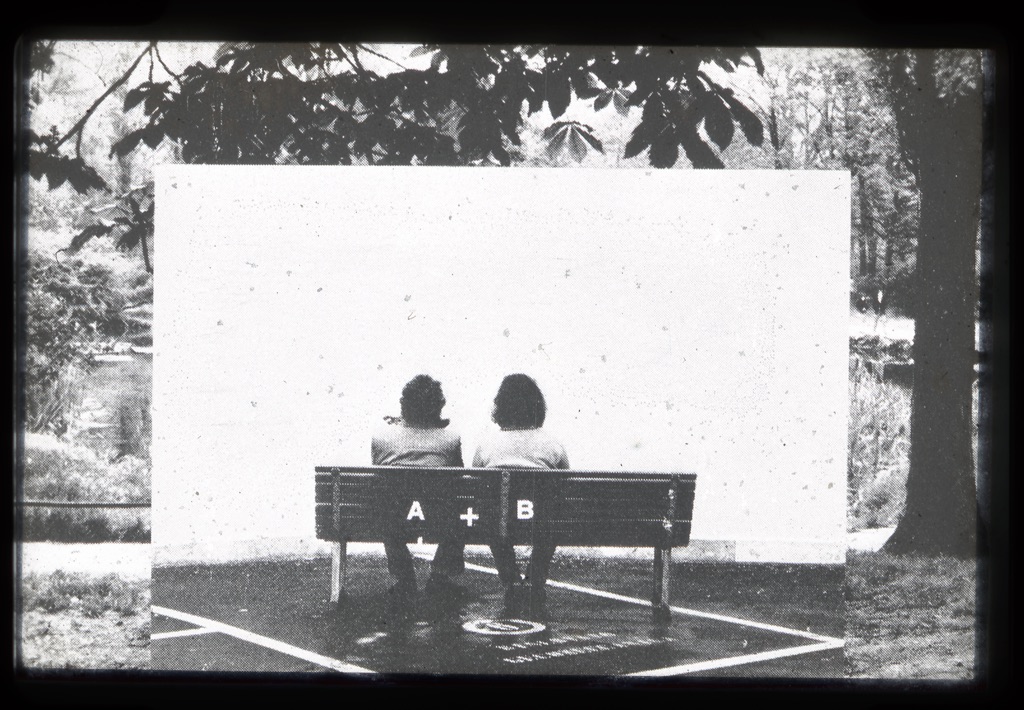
x: 941, y: 511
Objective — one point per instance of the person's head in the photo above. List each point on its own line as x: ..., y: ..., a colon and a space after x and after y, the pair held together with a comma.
x: 422, y: 402
x: 519, y: 404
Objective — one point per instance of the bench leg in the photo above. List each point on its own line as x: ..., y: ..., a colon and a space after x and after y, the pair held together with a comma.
x: 660, y: 610
x: 338, y: 559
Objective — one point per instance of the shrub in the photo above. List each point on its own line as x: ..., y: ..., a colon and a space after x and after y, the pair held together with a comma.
x: 874, y: 347
x: 85, y: 525
x: 55, y: 470
x: 71, y: 302
x: 878, y: 450
x: 62, y: 591
x: 58, y: 470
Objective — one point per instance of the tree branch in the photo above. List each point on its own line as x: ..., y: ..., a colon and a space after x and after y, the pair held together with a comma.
x: 145, y: 253
x: 177, y: 77
x: 95, y: 105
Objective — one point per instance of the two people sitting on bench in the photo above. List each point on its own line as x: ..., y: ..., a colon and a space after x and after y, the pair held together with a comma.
x: 420, y: 439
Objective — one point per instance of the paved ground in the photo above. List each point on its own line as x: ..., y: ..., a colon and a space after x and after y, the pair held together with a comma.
x: 730, y: 620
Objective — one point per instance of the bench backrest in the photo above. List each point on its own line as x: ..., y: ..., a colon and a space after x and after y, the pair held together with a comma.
x: 477, y: 506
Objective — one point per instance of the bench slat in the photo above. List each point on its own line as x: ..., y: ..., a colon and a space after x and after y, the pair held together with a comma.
x: 579, y: 506
x: 642, y: 534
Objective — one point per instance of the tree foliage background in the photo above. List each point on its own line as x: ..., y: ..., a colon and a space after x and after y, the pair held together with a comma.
x: 91, y: 145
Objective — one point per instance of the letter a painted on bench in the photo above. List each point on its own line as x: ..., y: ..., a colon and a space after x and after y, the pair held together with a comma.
x: 524, y: 509
x: 415, y: 511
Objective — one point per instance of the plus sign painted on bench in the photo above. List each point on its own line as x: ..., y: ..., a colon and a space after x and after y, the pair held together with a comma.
x: 469, y: 516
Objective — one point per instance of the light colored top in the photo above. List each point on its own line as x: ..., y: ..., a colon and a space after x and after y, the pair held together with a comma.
x: 403, y: 445
x: 521, y: 448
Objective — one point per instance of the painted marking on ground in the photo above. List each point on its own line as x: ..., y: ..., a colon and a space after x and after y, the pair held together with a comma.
x: 740, y: 660
x: 184, y: 632
x: 581, y: 650
x: 824, y: 643
x: 260, y: 640
x: 681, y: 610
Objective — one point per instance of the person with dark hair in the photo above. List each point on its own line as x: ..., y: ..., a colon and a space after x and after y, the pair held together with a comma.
x: 521, y: 442
x: 419, y: 439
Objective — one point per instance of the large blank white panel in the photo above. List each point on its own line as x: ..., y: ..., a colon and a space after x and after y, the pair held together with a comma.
x: 675, y: 320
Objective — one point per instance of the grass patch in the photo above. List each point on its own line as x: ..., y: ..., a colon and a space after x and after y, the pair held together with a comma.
x: 910, y: 617
x: 63, y: 591
x: 58, y: 470
x: 85, y: 525
x: 81, y: 621
x: 55, y: 470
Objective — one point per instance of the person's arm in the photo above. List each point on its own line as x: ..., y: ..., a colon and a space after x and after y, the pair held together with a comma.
x: 375, y: 451
x: 563, y: 458
x: 456, y: 457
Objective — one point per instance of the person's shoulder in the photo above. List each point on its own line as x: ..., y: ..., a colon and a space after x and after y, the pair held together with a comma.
x: 449, y: 436
x: 388, y: 430
x: 486, y: 440
x: 554, y: 445
x: 548, y: 438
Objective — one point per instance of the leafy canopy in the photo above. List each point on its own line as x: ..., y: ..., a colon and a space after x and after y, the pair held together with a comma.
x: 327, y: 103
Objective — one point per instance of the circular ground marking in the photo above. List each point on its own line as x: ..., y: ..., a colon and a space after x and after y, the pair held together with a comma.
x: 503, y: 627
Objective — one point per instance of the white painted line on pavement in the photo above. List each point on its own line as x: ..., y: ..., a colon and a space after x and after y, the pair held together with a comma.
x: 259, y: 640
x: 739, y: 660
x: 678, y: 609
x: 183, y: 632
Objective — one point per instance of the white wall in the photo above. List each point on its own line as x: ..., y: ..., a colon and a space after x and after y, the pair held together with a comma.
x: 675, y: 320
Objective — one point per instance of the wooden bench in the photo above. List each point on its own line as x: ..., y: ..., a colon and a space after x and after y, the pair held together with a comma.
x: 481, y: 506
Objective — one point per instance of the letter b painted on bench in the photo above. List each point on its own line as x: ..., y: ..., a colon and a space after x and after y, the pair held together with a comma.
x: 415, y: 511
x: 524, y: 509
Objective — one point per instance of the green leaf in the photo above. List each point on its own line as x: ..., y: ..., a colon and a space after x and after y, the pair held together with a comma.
x: 38, y: 163
x: 698, y: 152
x: 135, y: 96
x: 587, y: 87
x: 551, y: 130
x: 664, y: 150
x: 717, y: 120
x: 773, y: 129
x: 83, y: 177
x: 501, y: 155
x: 152, y: 135
x: 750, y: 124
x: 577, y: 146
x: 559, y: 94
x: 637, y: 143
x: 127, y: 144
x: 555, y: 146
x: 155, y: 97
x: 93, y: 230
x: 130, y: 238
x: 56, y: 176
x: 640, y: 95
x: 592, y: 140
x: 621, y: 101
x: 535, y: 95
x: 755, y: 54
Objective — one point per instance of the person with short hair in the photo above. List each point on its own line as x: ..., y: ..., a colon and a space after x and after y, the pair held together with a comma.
x: 420, y: 439
x: 521, y: 442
